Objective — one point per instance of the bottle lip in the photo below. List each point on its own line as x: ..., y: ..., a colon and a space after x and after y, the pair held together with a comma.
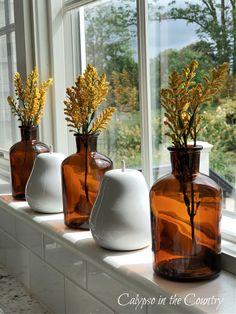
x: 185, y: 149
x: 86, y: 135
x: 28, y: 126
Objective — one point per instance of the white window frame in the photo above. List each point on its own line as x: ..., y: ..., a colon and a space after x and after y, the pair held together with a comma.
x: 7, y: 30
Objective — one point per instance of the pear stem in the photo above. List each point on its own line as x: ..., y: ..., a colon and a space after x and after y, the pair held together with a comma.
x: 122, y: 166
x: 51, y: 149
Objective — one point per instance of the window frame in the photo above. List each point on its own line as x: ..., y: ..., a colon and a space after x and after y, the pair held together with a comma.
x: 7, y: 30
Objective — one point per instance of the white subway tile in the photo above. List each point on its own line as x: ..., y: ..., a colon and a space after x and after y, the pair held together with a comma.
x: 7, y: 222
x: 165, y: 307
x: 80, y: 301
x: 47, y: 284
x: 17, y: 259
x: 2, y: 248
x: 111, y: 291
x: 65, y: 261
x: 29, y: 236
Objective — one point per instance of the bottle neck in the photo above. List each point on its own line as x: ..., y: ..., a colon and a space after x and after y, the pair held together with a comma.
x: 86, y: 142
x: 185, y: 161
x: 29, y: 133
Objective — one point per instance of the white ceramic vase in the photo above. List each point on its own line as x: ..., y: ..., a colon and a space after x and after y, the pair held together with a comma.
x: 44, y: 189
x: 120, y: 218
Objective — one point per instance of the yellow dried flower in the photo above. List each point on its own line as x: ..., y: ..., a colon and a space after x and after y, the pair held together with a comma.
x: 31, y: 98
x: 19, y: 86
x: 83, y: 100
x: 183, y: 98
x: 102, y: 120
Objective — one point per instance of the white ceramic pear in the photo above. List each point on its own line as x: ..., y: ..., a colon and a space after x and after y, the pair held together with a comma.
x: 44, y: 189
x: 120, y: 218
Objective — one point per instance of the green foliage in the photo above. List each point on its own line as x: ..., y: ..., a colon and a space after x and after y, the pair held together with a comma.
x: 110, y: 30
x: 128, y: 144
x: 216, y: 25
x: 110, y: 33
x: 177, y: 60
x: 219, y: 129
x: 157, y: 128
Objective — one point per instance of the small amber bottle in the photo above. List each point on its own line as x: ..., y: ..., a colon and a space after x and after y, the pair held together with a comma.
x: 82, y: 173
x: 22, y: 156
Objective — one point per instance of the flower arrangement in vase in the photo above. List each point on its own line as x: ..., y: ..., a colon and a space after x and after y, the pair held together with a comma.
x: 28, y: 107
x: 83, y: 171
x: 186, y: 205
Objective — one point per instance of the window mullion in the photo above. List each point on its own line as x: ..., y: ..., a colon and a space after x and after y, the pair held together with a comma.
x: 144, y: 91
x: 57, y: 58
x: 24, y: 49
x: 82, y: 39
x: 10, y: 63
x: 41, y: 44
x: 9, y: 50
x: 23, y: 28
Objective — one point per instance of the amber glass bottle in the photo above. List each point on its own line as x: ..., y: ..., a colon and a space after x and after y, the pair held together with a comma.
x: 185, y: 214
x: 22, y: 156
x: 82, y: 173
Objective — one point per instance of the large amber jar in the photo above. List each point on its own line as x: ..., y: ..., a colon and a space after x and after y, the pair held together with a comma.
x: 185, y: 216
x: 22, y: 156
x: 82, y: 173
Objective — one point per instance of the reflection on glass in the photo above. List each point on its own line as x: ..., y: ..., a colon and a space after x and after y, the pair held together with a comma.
x: 13, y: 51
x: 110, y: 35
x: 2, y: 13
x: 6, y: 12
x: 176, y: 38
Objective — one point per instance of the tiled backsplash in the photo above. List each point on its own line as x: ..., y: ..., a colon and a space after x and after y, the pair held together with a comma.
x: 67, y: 272
x: 58, y: 276
x: 46, y: 268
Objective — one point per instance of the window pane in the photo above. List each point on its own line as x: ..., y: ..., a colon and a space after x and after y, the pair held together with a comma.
x: 7, y: 67
x: 7, y: 70
x: 11, y: 11
x: 173, y: 43
x: 108, y: 40
x: 2, y: 13
x: 6, y: 12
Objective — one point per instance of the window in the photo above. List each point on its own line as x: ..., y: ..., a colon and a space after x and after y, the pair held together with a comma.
x: 104, y: 33
x: 110, y: 35
x: 7, y: 70
x: 179, y: 32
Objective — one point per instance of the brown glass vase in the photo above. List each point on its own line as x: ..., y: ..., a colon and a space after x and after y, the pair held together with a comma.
x: 185, y: 216
x: 82, y: 173
x: 22, y: 156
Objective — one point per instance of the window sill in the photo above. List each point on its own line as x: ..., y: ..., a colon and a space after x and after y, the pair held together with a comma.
x: 130, y: 270
x: 228, y: 230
